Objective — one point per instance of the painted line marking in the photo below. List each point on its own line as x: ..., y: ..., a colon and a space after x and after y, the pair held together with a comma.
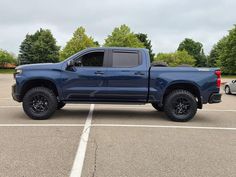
x: 116, y: 125
x: 163, y: 126
x: 217, y: 110
x: 73, y: 105
x: 76, y: 170
x: 41, y: 125
x: 2, y: 107
x: 19, y: 106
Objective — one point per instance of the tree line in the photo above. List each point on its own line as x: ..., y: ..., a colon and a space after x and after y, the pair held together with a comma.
x: 41, y: 47
x: 6, y: 58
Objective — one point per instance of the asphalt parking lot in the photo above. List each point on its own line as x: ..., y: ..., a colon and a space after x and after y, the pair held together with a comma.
x: 116, y: 141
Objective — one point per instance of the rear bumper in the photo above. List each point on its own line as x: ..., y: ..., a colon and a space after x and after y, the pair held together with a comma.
x: 215, y: 98
x: 14, y: 94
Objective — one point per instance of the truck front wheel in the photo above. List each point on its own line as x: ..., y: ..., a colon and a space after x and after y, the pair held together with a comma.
x: 180, y: 105
x: 39, y: 103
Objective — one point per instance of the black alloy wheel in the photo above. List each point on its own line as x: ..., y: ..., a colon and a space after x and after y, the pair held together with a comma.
x: 180, y: 105
x: 40, y: 103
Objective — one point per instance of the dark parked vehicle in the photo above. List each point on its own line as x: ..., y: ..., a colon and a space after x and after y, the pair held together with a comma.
x: 115, y: 75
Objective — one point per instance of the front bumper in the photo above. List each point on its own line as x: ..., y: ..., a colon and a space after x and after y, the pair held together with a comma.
x: 14, y: 94
x: 215, y: 98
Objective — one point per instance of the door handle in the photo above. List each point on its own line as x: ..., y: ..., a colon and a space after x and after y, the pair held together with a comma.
x: 99, y: 73
x: 139, y: 73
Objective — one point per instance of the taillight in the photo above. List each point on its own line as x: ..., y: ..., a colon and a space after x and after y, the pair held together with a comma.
x: 218, y: 74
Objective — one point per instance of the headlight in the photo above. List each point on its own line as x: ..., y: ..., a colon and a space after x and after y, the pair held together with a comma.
x: 18, y: 71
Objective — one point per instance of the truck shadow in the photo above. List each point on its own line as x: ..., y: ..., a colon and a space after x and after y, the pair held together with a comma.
x: 152, y: 116
x: 66, y: 114
x: 146, y: 117
x: 114, y: 115
x: 71, y: 114
x: 129, y: 115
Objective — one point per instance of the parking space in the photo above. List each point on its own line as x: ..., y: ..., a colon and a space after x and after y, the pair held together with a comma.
x: 8, y: 102
x: 124, y: 140
x: 37, y: 151
x: 6, y: 81
x: 228, y: 103
x: 122, y: 151
x: 146, y: 115
x: 75, y: 114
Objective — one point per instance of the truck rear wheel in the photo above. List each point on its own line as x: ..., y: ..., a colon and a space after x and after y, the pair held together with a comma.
x: 39, y: 103
x: 158, y: 108
x: 180, y: 105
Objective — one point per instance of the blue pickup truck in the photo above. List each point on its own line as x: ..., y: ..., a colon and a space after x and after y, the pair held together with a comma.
x: 117, y: 76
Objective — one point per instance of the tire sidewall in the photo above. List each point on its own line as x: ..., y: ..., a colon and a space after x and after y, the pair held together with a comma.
x: 170, y: 111
x: 227, y: 90
x: 48, y: 94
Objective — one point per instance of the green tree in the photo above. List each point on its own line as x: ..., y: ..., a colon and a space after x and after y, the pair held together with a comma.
x: 96, y: 43
x: 175, y: 59
x: 123, y: 37
x: 195, y: 49
x: 78, y: 42
x: 217, y: 50
x: 6, y: 58
x: 39, y: 47
x: 227, y: 52
x: 223, y: 53
x: 147, y: 43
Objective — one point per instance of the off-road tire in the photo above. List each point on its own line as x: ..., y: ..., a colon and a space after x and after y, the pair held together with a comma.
x: 173, y: 105
x: 45, y: 101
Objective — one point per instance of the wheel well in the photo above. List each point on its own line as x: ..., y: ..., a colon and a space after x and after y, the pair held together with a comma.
x: 185, y: 86
x: 38, y: 83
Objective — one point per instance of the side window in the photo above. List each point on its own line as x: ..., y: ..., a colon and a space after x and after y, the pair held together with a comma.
x: 93, y: 59
x: 125, y: 59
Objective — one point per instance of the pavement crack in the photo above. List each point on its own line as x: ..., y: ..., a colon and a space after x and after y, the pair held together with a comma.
x: 84, y: 131
x: 95, y: 159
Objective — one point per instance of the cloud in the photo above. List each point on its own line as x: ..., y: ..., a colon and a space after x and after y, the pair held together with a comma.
x: 167, y: 23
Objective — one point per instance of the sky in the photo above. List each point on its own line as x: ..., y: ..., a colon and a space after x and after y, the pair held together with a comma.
x: 166, y: 22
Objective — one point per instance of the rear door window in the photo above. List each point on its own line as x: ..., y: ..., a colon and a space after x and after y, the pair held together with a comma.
x: 125, y: 59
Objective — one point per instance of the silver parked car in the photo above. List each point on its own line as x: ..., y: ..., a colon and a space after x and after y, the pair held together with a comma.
x: 230, y: 87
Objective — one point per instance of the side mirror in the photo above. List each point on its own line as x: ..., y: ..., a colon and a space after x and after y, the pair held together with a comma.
x: 70, y: 63
x: 78, y: 63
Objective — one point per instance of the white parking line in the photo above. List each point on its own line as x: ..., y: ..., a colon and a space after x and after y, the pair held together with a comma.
x: 78, y: 105
x: 163, y: 126
x: 2, y: 107
x: 218, y: 110
x: 115, y: 125
x: 20, y: 106
x: 41, y: 125
x: 76, y: 170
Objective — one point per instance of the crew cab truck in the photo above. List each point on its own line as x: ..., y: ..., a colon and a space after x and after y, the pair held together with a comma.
x: 115, y: 75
